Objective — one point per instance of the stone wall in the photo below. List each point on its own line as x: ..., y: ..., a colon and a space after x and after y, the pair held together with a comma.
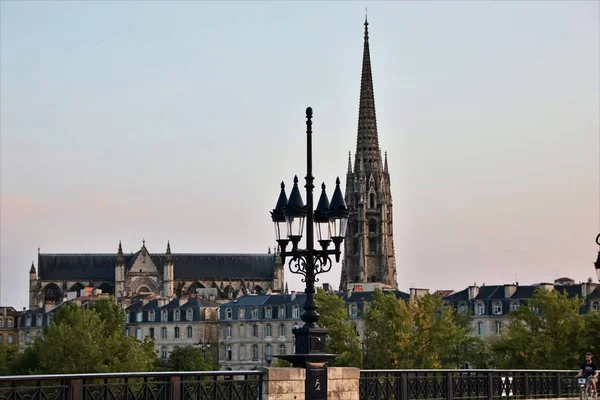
x: 290, y: 384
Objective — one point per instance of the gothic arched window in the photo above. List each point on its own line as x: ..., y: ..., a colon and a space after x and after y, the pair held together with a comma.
x: 372, y: 225
x: 107, y: 288
x: 52, y: 293
x: 372, y: 200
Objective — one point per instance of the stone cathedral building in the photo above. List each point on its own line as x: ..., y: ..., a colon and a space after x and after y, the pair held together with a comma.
x: 369, y: 245
x: 217, y: 276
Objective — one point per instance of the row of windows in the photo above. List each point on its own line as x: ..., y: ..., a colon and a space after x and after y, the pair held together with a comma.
x: 268, y: 312
x: 480, y: 307
x: 498, y: 327
x: 164, y: 315
x: 39, y: 320
x: 9, y: 322
x: 164, y: 333
x: 10, y: 339
x: 254, y: 330
x: 255, y: 352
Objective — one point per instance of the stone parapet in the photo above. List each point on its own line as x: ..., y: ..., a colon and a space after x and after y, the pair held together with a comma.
x: 342, y: 383
x: 284, y: 384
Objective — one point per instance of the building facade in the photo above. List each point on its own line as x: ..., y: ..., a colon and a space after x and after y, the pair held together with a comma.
x: 9, y: 326
x: 369, y: 244
x: 185, y: 321
x: 254, y: 329
x: 60, y: 277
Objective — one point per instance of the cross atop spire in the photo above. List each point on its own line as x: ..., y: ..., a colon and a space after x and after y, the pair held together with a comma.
x: 367, y: 142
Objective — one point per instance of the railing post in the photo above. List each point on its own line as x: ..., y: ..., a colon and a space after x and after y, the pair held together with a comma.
x: 490, y: 385
x: 449, y: 385
x: 76, y: 389
x: 175, y: 388
x: 404, y: 389
x: 525, y: 385
x: 558, y: 385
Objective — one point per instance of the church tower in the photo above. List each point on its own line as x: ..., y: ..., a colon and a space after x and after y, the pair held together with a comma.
x: 369, y: 245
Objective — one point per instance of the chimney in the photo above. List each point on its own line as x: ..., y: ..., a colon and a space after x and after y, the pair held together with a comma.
x: 293, y: 294
x: 48, y: 306
x: 509, y: 290
x: 473, y: 291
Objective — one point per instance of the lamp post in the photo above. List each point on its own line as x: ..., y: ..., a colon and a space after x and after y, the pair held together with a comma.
x: 204, y: 346
x: 597, y: 263
x: 329, y: 220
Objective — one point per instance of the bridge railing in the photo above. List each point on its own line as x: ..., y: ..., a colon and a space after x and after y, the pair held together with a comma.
x: 466, y: 384
x: 198, y: 385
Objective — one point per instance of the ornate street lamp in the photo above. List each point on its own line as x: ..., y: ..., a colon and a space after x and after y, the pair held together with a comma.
x: 204, y: 346
x: 329, y: 220
x: 597, y: 263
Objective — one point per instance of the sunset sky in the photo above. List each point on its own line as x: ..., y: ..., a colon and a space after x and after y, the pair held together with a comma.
x: 178, y: 120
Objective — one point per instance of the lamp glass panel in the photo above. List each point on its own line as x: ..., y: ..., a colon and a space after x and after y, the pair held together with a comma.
x: 338, y: 227
x: 280, y: 232
x: 295, y: 225
x: 323, y: 231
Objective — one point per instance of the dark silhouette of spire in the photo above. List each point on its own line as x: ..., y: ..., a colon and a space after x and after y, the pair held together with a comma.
x: 120, y: 257
x: 367, y: 142
x: 32, y: 269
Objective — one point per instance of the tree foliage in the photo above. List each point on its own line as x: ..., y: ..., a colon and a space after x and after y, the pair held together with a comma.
x: 420, y: 333
x: 189, y: 358
x: 546, y: 333
x: 8, y: 356
x: 86, y: 340
x: 342, y: 339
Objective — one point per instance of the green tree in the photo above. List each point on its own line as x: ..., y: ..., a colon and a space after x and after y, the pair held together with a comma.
x: 8, y: 355
x: 342, y: 339
x: 86, y: 340
x: 189, y: 358
x: 420, y: 333
x: 545, y: 334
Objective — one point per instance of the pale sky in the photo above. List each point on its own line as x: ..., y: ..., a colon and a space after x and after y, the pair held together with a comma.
x: 178, y: 120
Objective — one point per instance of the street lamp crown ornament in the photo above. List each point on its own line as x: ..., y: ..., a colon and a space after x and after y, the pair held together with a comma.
x: 330, y: 221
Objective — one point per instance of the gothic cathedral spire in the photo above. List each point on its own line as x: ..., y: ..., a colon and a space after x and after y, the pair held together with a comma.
x: 369, y: 245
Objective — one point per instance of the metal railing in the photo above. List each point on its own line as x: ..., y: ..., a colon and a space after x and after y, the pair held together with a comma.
x: 467, y: 384
x: 199, y: 385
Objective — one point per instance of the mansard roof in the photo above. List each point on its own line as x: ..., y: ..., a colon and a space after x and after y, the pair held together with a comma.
x: 186, y: 266
x: 490, y: 292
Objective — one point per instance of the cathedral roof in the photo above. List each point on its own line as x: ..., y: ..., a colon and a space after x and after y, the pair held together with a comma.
x: 76, y: 266
x: 186, y: 266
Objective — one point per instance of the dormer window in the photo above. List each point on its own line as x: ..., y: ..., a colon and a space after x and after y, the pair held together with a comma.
x: 281, y: 312
x: 189, y: 314
x: 268, y: 312
x: 353, y: 310
x: 151, y: 315
x: 164, y: 316
x: 514, y: 305
x: 595, y: 305
x: 176, y: 315
x: 462, y: 307
x: 295, y: 311
x: 254, y: 313
x: 139, y: 316
x: 208, y: 314
x: 497, y: 307
x: 127, y: 317
x: 479, y: 308
x: 28, y: 321
x: 228, y: 313
x: 241, y: 313
x: 50, y: 317
x: 40, y: 319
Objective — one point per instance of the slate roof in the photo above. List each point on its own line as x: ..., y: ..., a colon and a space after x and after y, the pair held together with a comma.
x: 77, y: 266
x: 186, y: 266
